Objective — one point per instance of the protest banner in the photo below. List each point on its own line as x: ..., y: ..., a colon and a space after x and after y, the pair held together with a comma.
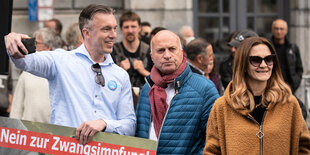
x: 54, y: 139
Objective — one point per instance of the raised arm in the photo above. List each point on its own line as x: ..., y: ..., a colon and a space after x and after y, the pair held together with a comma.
x: 12, y: 42
x: 41, y: 64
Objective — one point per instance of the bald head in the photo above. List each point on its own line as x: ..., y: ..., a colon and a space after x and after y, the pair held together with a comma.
x: 166, y: 51
x: 279, y: 21
x: 164, y: 34
x: 186, y: 34
x: 279, y: 30
x: 186, y: 31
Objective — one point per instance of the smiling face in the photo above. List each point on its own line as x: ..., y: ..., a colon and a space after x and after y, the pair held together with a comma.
x: 101, y: 33
x: 166, y: 52
x: 263, y: 72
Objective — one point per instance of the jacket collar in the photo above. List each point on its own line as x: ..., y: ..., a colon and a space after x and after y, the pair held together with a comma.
x: 286, y: 42
x: 195, y: 69
x: 178, y: 82
x: 244, y: 110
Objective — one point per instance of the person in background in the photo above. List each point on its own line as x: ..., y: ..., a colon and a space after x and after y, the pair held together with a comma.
x: 88, y: 91
x: 226, y: 67
x: 288, y: 54
x: 156, y: 30
x: 73, y: 36
x: 54, y: 24
x: 13, y: 75
x: 186, y: 34
x: 198, y: 52
x: 174, y: 104
x: 132, y: 54
x: 145, y: 33
x: 289, y: 57
x: 258, y: 113
x: 31, y: 99
x: 211, y: 74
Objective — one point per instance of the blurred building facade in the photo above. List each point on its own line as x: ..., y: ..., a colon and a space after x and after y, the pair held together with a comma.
x: 211, y: 19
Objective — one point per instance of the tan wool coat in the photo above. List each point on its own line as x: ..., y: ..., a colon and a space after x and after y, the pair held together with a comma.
x: 231, y: 131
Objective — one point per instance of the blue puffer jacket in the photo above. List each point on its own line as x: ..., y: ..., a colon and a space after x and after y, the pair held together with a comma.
x: 184, y: 128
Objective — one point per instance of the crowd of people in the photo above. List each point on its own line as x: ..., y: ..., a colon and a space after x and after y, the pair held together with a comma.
x: 163, y: 86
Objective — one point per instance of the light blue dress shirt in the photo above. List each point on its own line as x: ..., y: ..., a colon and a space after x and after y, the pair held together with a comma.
x: 75, y: 97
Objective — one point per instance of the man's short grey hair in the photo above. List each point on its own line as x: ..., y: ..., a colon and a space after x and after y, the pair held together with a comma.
x: 49, y: 38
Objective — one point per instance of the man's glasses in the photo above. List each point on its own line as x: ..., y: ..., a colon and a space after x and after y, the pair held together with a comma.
x: 99, y: 77
x: 257, y: 60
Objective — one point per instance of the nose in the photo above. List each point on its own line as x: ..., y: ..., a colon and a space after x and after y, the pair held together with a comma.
x: 130, y: 29
x: 167, y: 54
x: 263, y: 64
x: 113, y: 34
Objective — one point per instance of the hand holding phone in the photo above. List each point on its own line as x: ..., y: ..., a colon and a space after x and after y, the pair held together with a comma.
x: 30, y: 45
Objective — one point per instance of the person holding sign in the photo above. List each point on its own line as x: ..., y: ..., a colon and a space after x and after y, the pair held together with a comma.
x: 175, y: 103
x: 87, y: 90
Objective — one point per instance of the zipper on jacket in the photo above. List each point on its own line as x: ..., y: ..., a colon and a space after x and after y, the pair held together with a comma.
x: 260, y: 133
x: 146, y: 81
x: 176, y: 92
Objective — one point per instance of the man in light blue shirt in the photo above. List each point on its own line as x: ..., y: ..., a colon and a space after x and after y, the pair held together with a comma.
x: 87, y: 90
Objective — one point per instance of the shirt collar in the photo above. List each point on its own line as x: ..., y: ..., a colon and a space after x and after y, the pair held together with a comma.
x: 199, y: 70
x: 83, y: 51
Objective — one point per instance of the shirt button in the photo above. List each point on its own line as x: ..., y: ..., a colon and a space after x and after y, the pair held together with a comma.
x: 96, y: 96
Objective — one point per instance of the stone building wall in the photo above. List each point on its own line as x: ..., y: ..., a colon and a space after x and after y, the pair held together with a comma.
x: 171, y: 14
x: 299, y: 29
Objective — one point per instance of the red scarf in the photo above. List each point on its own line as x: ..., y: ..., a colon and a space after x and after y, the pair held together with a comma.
x: 158, y: 96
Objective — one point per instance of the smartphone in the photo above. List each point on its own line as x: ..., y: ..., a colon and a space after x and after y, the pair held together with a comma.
x: 30, y: 45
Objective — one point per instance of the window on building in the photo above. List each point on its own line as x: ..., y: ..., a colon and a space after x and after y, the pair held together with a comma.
x: 215, y: 20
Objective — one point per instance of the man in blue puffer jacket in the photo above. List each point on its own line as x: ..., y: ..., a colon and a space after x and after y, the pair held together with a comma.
x: 174, y: 103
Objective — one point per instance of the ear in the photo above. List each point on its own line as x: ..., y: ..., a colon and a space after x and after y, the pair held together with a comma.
x: 183, y: 52
x: 199, y: 58
x: 85, y: 32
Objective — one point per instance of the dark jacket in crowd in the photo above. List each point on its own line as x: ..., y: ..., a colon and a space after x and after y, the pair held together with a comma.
x: 226, y: 70
x: 294, y: 68
x: 120, y: 53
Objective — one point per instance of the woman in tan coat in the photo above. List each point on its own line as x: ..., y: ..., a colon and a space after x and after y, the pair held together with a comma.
x: 258, y: 113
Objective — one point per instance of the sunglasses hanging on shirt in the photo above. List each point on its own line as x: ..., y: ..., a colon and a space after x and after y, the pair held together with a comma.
x: 99, y: 79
